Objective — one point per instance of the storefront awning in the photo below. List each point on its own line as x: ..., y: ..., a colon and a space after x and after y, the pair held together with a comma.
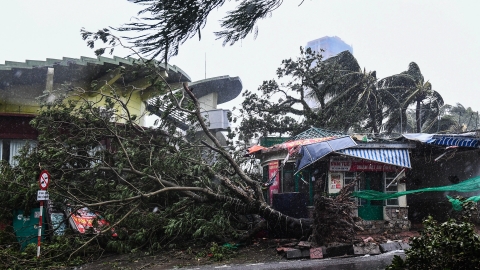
x: 468, y: 139
x: 397, y: 157
x: 312, y: 152
x: 454, y: 141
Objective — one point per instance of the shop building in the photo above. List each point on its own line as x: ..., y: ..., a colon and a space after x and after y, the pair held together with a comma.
x: 290, y: 170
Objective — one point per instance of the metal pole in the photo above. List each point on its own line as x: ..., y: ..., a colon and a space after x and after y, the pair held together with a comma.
x: 476, y: 124
x: 401, y: 121
x: 438, y: 116
x: 40, y: 230
x: 438, y: 123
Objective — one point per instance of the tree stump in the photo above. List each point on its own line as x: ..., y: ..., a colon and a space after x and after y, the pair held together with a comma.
x: 333, y: 220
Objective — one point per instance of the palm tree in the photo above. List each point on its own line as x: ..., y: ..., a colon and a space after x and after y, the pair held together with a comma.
x: 409, y: 88
x: 347, y: 95
x: 464, y: 118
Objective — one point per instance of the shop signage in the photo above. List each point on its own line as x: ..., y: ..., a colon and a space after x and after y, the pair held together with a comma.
x: 335, y: 183
x: 358, y: 165
x: 340, y: 165
x: 271, y: 141
x: 273, y: 167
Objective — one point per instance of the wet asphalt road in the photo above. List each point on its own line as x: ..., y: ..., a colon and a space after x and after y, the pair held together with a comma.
x: 363, y: 263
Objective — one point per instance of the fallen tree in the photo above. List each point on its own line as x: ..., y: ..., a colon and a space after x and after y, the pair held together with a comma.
x: 151, y: 184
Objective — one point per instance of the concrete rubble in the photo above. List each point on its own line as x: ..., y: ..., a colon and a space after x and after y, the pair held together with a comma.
x: 363, y: 245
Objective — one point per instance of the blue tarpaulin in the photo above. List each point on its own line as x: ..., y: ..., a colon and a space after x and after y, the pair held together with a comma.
x: 468, y: 139
x: 313, y: 152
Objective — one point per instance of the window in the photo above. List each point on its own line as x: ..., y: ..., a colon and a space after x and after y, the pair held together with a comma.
x: 288, y: 183
x: 349, y: 177
x: 97, y: 154
x: 389, y: 176
x: 15, y: 147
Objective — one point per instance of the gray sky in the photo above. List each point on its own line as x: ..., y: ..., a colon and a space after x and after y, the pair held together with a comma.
x: 442, y: 37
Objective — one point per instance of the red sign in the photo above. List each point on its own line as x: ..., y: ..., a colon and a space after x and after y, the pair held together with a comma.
x: 273, y: 172
x: 44, y: 180
x: 83, y: 219
x: 359, y: 165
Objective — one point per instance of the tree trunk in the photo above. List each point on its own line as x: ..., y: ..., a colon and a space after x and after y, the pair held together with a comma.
x: 373, y: 116
x: 278, y: 224
x: 417, y: 116
x: 283, y: 226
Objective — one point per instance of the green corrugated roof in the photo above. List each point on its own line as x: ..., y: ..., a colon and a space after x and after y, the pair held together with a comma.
x: 83, y: 61
x: 314, y: 132
x: 65, y: 61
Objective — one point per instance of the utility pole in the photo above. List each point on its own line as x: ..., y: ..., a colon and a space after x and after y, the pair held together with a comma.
x: 476, y: 124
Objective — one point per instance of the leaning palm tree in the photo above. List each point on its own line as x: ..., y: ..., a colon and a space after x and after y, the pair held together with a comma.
x: 347, y: 95
x: 464, y: 118
x: 405, y: 89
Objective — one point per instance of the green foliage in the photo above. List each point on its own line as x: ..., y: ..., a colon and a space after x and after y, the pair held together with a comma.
x: 54, y: 253
x: 14, y: 192
x: 337, y: 94
x: 204, y: 221
x: 345, y: 98
x: 150, y: 184
x: 457, y: 119
x: 397, y: 263
x: 220, y: 253
x: 217, y: 252
x: 162, y: 26
x: 448, y: 245
x: 409, y: 88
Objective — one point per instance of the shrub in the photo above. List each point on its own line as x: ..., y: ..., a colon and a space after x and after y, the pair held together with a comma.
x: 449, y: 245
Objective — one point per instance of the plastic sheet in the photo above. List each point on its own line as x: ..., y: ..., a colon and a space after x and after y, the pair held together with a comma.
x: 469, y: 185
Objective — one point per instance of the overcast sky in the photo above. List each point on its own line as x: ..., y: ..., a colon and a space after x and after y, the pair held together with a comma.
x: 442, y: 37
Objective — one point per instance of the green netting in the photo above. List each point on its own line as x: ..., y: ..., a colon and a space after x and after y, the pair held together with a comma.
x: 469, y: 185
x: 457, y: 204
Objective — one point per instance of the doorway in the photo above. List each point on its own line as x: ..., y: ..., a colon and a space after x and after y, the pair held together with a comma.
x: 300, y: 182
x: 371, y: 209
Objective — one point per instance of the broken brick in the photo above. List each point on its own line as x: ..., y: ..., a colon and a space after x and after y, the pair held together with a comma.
x: 305, y: 253
x: 404, y: 246
x: 316, y: 253
x: 370, y: 249
x: 340, y: 250
x: 294, y: 254
x: 387, y: 247
x: 304, y: 244
x: 284, y: 249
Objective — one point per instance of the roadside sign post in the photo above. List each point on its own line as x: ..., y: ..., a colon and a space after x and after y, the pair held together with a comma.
x: 42, y: 195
